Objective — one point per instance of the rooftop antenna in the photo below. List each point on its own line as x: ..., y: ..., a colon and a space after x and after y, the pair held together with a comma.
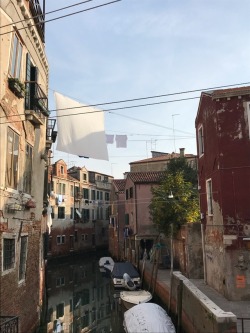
x: 173, y: 115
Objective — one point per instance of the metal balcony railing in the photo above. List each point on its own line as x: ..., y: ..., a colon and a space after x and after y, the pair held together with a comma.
x: 8, y: 324
x: 38, y: 16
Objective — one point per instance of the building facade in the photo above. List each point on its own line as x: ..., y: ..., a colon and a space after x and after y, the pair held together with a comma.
x: 79, y: 204
x: 25, y: 138
x: 223, y: 141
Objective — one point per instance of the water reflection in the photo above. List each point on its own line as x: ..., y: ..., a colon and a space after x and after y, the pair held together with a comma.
x: 81, y: 298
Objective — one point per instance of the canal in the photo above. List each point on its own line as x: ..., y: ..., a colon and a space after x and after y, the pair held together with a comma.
x: 80, y: 298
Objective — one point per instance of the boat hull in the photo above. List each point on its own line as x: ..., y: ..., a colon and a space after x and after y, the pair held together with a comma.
x: 132, y: 298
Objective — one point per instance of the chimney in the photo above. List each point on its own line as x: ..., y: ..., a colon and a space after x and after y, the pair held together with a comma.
x: 182, y: 152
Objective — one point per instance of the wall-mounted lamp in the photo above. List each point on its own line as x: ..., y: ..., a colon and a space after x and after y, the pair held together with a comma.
x: 170, y: 196
x: 44, y: 157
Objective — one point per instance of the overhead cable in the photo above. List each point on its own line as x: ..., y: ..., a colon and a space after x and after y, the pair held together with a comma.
x: 63, y: 16
x: 43, y: 14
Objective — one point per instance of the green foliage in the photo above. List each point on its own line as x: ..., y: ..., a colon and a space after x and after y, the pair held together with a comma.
x: 181, y: 164
x: 182, y: 208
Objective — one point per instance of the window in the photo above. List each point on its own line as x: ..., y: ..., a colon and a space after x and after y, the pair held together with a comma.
x: 62, y: 169
x: 16, y: 58
x: 85, y: 215
x: 101, y: 195
x: 209, y: 197
x: 60, y: 310
x: 61, y: 212
x: 98, y: 177
x: 12, y: 159
x: 131, y: 192
x: 127, y: 195
x: 76, y: 236
x: 106, y: 196
x: 106, y: 179
x: 8, y: 253
x: 200, y: 141
x: 93, y: 194
x: 60, y: 281
x: 126, y: 219
x: 61, y: 188
x: 23, y: 256
x: 71, y: 212
x: 84, y: 177
x: 71, y: 190
x: 85, y: 193
x: 60, y: 239
x: 28, y: 169
x: 84, y: 237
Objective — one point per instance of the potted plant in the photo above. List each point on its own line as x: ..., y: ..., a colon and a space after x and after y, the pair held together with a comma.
x: 17, y: 87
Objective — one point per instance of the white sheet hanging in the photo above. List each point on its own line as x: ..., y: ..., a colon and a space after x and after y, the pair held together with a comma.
x: 80, y: 129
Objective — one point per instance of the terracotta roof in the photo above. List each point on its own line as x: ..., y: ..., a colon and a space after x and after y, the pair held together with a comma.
x: 119, y: 184
x: 238, y: 91
x: 162, y: 158
x: 146, y: 177
x: 72, y: 179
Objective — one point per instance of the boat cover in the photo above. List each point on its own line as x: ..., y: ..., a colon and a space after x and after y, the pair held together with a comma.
x: 124, y: 267
x: 148, y: 317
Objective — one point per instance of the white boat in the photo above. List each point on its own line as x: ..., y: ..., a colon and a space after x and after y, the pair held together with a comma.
x: 124, y: 275
x: 132, y: 298
x: 147, y: 317
x: 106, y: 263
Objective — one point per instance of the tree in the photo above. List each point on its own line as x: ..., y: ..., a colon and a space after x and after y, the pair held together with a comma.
x: 182, y: 208
x: 180, y: 164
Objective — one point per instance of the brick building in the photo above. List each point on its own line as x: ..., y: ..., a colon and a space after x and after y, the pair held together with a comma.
x: 79, y: 203
x: 25, y: 138
x: 223, y: 140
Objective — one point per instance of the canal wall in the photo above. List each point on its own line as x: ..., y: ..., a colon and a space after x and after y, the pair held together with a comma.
x: 190, y: 309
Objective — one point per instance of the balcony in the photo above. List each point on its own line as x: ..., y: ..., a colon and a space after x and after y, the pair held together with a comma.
x: 39, y: 17
x: 36, y: 103
x: 51, y: 134
x: 8, y: 324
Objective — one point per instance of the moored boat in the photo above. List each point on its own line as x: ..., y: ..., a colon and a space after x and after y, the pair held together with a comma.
x: 106, y: 263
x: 132, y: 298
x: 124, y: 275
x: 147, y: 317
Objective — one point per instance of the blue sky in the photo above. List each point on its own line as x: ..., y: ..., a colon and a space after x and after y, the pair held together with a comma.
x: 140, y: 48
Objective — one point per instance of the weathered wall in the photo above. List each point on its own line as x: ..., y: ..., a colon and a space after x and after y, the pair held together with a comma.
x: 199, y: 313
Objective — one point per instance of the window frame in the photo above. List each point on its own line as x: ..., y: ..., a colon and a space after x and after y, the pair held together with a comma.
x: 13, y: 255
x: 209, y: 193
x: 23, y: 258
x: 15, y: 65
x: 12, y: 163
x: 27, y: 184
x: 200, y: 133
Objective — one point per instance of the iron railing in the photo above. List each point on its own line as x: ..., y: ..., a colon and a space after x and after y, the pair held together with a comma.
x: 243, y: 325
x: 38, y: 17
x: 8, y: 324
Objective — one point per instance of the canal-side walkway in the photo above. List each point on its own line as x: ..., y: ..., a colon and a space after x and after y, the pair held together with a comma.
x: 241, y: 309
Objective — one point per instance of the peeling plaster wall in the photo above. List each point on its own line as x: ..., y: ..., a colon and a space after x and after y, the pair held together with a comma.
x: 226, y: 162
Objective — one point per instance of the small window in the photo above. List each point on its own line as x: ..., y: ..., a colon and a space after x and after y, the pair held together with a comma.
x: 61, y: 212
x: 60, y: 310
x: 60, y: 281
x: 16, y: 57
x: 200, y: 141
x: 209, y: 197
x: 98, y: 177
x: 62, y: 169
x: 131, y: 192
x: 60, y: 239
x: 84, y: 177
x: 12, y: 157
x: 28, y: 169
x: 85, y: 193
x: 101, y: 195
x: 8, y: 253
x: 22, y: 258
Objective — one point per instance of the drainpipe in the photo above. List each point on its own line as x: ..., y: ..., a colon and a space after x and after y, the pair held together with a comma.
x: 136, y: 247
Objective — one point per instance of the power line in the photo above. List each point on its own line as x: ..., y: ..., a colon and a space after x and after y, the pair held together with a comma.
x: 63, y: 16
x: 43, y: 14
x: 155, y: 96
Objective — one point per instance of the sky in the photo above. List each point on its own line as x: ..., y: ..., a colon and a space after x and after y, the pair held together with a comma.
x: 135, y: 49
